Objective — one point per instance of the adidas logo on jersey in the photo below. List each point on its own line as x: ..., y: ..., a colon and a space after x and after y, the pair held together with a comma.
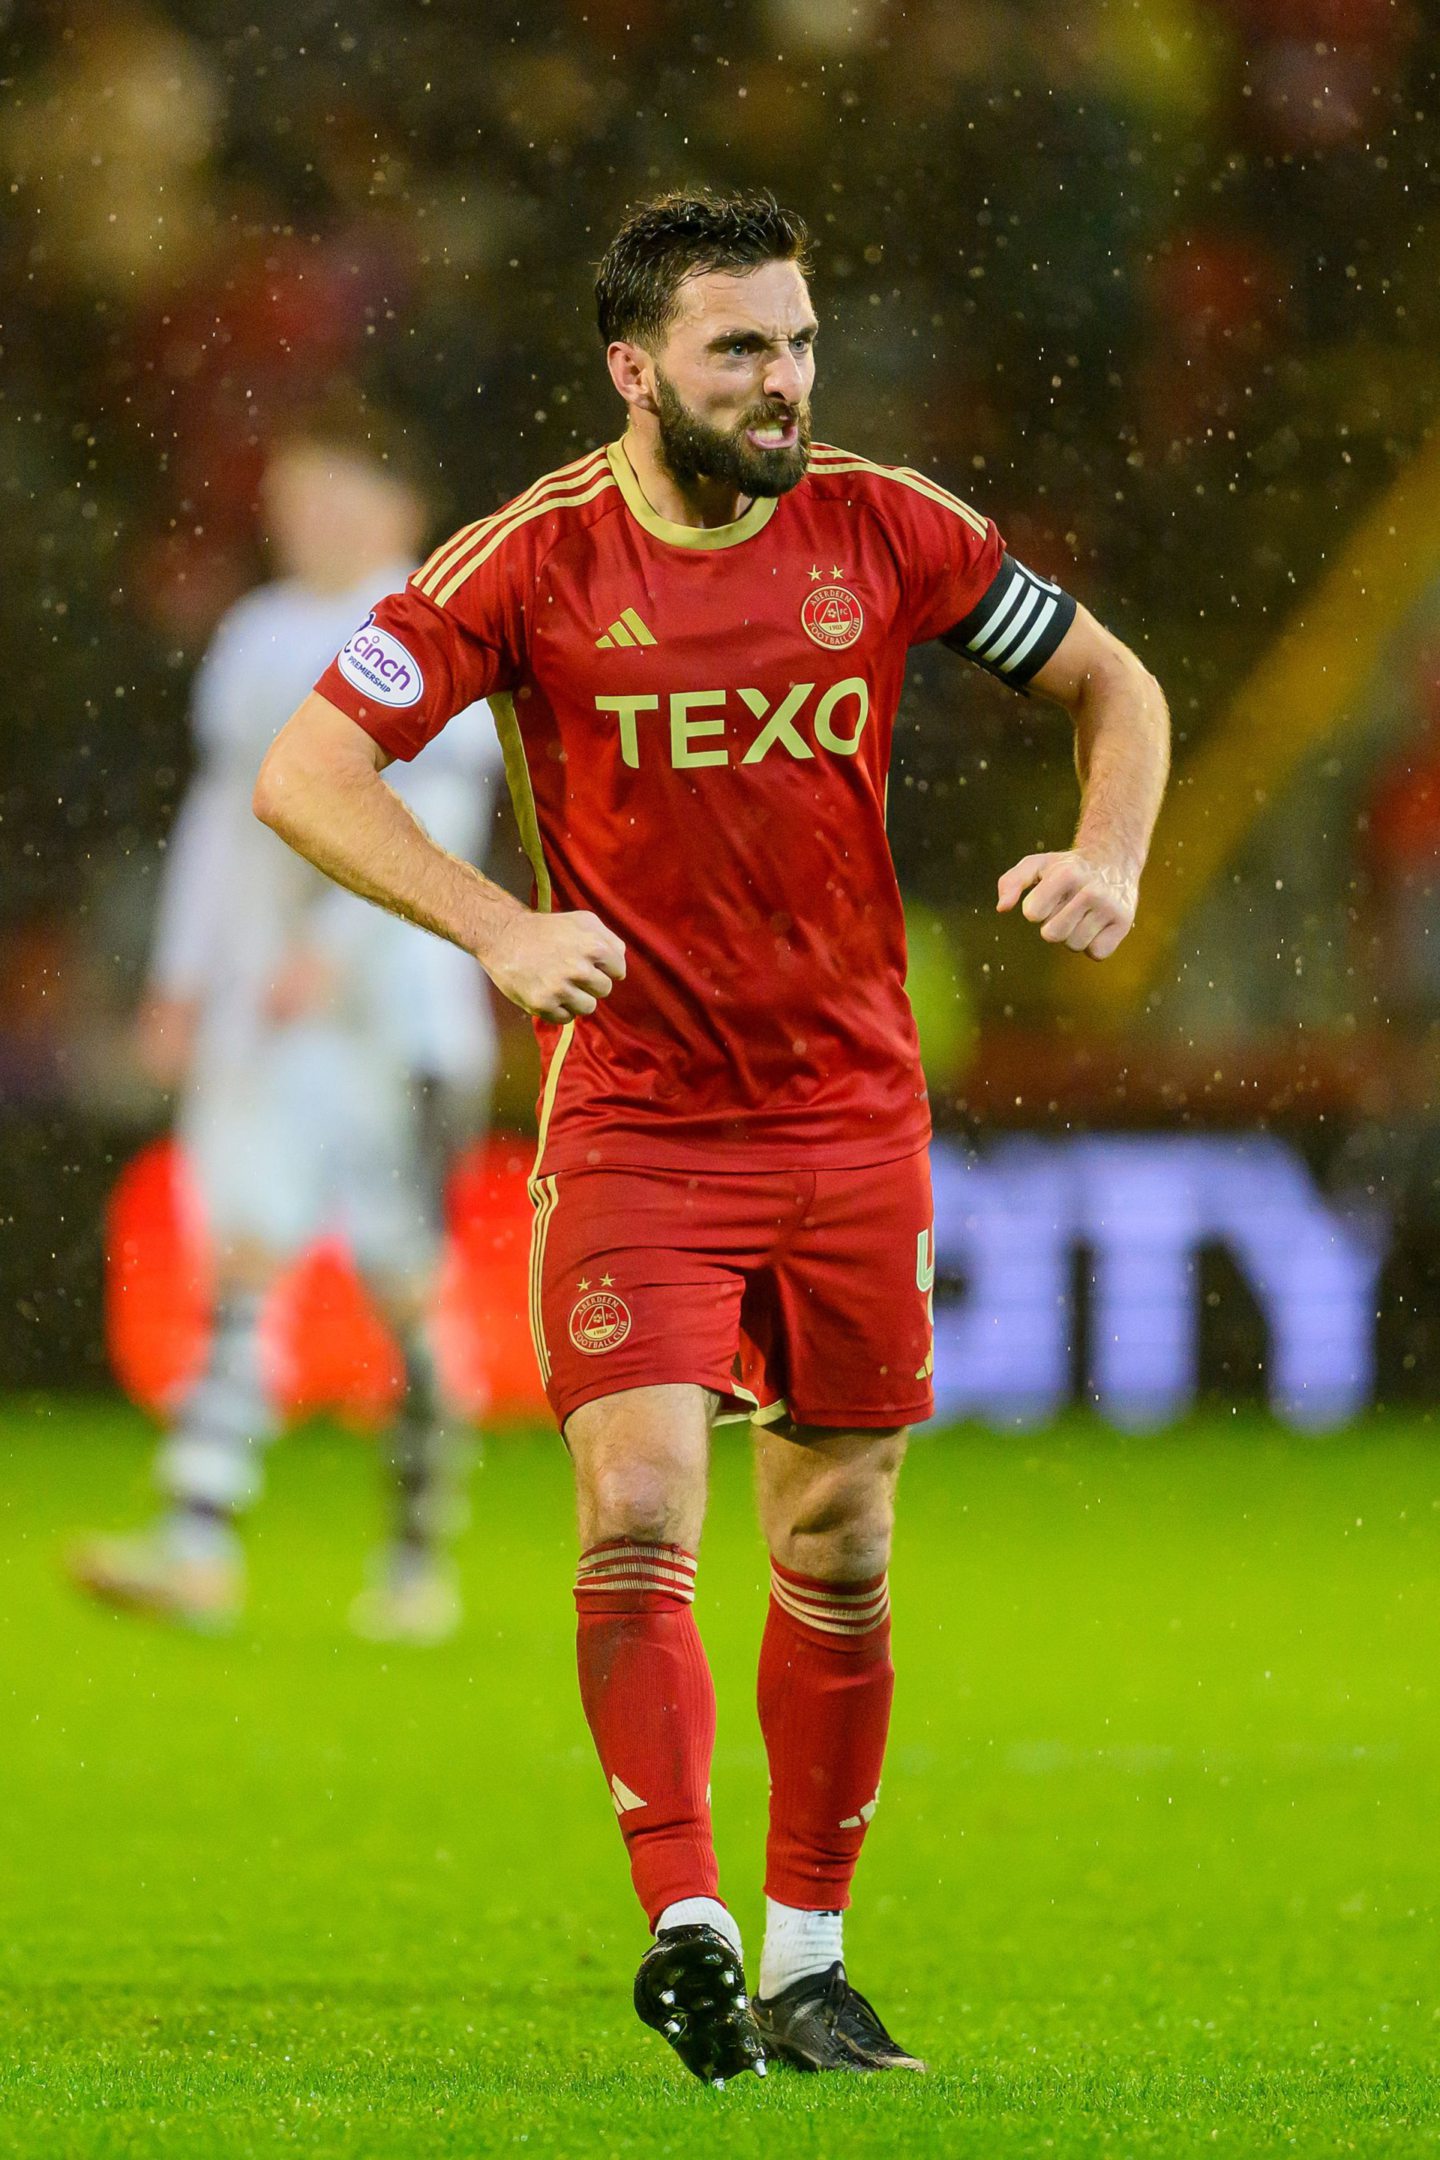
x: 627, y: 630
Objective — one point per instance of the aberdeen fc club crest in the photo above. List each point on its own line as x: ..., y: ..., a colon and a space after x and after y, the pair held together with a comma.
x: 832, y: 616
x: 599, y: 1321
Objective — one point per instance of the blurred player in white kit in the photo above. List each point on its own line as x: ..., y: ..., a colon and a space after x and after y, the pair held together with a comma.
x: 320, y: 1049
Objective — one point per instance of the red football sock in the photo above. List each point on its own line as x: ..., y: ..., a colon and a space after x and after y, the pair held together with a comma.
x: 825, y: 1686
x: 650, y: 1704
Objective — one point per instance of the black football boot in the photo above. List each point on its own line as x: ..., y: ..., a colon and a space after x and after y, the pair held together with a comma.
x: 820, y: 2022
x: 691, y: 1989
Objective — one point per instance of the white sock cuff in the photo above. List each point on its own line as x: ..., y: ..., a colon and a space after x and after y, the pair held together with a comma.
x: 702, y: 1912
x: 208, y: 1473
x: 797, y: 1944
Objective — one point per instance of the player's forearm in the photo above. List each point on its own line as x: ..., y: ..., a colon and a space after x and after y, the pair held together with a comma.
x: 1122, y: 755
x: 336, y: 810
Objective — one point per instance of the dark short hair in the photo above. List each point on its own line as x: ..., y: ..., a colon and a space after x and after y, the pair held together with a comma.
x: 678, y: 236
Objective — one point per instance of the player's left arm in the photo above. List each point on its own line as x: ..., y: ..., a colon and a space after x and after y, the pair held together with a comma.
x: 1085, y: 896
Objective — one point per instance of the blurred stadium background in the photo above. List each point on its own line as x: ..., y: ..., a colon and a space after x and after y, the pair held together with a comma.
x: 1155, y: 281
x: 1157, y: 284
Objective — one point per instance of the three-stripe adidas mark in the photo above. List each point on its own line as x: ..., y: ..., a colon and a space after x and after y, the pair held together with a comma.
x: 626, y: 630
x: 866, y: 1814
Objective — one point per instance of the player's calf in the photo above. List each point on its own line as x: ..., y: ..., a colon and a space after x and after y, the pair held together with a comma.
x: 413, y: 1595
x: 650, y: 1705
x: 648, y: 1697
x: 825, y: 1688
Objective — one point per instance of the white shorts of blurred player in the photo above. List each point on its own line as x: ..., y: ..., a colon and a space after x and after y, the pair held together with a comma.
x: 317, y: 1135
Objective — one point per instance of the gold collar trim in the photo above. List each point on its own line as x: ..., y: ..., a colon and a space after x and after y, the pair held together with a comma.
x: 760, y: 512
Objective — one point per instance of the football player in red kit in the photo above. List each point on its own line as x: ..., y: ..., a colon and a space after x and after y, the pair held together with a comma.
x: 693, y: 642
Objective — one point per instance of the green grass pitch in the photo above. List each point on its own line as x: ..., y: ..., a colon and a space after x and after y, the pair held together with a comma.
x: 1155, y: 1871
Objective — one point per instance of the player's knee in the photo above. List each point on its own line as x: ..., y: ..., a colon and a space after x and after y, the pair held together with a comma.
x: 637, y: 1501
x: 839, y: 1545
x: 837, y: 1520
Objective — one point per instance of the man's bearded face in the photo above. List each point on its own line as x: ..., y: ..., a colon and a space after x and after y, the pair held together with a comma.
x: 694, y: 450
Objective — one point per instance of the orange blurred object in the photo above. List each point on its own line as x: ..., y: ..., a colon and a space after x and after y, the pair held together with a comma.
x: 329, y: 1347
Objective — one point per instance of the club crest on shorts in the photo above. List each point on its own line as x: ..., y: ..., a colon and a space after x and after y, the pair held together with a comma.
x: 832, y: 616
x: 599, y: 1322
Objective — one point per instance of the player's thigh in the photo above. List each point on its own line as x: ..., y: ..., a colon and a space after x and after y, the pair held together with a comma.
x: 636, y: 1280
x: 826, y: 1497
x: 383, y: 1188
x: 260, y: 1186
x: 853, y: 1292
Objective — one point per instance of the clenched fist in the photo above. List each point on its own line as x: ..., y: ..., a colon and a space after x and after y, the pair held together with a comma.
x: 1077, y: 900
x: 555, y: 967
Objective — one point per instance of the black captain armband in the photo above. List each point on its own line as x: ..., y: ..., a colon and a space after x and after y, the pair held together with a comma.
x: 1015, y: 626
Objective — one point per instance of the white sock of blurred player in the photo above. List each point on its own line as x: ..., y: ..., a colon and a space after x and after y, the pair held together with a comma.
x: 210, y: 1464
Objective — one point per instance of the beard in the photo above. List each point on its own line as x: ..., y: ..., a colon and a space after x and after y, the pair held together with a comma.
x: 693, y: 450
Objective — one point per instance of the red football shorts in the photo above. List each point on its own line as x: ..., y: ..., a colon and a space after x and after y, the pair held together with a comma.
x: 799, y: 1292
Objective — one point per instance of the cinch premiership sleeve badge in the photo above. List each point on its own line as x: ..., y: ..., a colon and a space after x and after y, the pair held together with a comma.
x: 379, y: 666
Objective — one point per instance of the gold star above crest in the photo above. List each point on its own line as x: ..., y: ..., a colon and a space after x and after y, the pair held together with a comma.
x: 837, y: 571
x: 583, y: 1283
x: 607, y: 1282
x: 815, y: 574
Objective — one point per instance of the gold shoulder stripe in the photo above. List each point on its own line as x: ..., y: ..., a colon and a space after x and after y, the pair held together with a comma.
x: 497, y: 534
x: 837, y: 461
x: 842, y: 460
x: 906, y: 476
x: 457, y: 540
x: 945, y: 495
x: 449, y: 553
x: 448, y: 557
x: 448, y: 549
x: 831, y: 460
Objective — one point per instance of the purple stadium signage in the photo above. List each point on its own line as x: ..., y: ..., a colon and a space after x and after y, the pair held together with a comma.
x: 1008, y: 1221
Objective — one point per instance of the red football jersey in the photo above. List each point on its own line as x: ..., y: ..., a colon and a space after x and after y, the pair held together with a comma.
x: 697, y: 729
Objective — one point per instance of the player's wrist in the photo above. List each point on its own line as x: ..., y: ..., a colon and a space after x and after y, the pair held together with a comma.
x: 490, y: 925
x: 1118, y: 866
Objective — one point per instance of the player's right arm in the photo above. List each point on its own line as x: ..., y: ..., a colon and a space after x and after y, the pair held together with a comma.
x: 456, y: 634
x: 184, y: 939
x: 188, y: 942
x: 320, y: 788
